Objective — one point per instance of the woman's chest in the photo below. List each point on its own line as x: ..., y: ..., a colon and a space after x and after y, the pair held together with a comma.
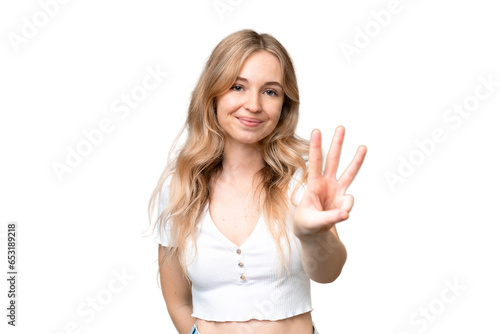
x: 234, y: 215
x: 220, y: 262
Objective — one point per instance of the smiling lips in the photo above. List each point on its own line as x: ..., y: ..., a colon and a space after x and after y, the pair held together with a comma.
x: 250, y: 122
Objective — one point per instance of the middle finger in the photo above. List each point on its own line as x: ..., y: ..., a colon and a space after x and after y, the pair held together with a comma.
x: 332, y: 160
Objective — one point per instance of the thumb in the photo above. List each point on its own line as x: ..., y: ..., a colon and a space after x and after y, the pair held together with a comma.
x: 331, y: 216
x: 347, y: 203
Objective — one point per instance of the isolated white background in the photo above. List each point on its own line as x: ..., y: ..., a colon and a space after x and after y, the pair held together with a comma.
x: 440, y: 224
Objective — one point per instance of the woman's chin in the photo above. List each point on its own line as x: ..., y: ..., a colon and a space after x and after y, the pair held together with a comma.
x: 247, y: 141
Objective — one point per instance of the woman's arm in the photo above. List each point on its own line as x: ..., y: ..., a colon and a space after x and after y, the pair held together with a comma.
x: 323, y: 205
x: 323, y: 256
x: 176, y: 292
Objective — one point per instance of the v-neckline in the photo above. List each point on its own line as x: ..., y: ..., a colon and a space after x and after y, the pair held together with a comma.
x: 226, y: 239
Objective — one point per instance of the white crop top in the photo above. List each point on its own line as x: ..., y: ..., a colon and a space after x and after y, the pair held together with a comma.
x: 231, y: 283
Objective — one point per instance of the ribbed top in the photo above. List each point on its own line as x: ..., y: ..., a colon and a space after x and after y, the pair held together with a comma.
x: 231, y: 283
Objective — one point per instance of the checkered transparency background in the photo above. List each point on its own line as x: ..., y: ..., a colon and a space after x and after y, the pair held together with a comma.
x: 94, y: 92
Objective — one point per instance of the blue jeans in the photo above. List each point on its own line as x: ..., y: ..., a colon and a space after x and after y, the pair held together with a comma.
x: 194, y: 329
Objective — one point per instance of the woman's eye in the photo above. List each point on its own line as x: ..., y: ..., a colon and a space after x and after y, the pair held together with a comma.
x: 237, y: 88
x: 271, y: 92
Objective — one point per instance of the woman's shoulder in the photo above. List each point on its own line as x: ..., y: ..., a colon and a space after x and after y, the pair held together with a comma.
x: 165, y: 192
x: 166, y: 184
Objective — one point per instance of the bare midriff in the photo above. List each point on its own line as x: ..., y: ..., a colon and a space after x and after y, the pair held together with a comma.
x: 299, y: 324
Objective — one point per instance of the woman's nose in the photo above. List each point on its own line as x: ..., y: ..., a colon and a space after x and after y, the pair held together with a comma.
x: 252, y: 103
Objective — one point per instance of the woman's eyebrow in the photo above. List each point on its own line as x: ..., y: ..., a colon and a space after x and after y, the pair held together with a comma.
x: 269, y: 83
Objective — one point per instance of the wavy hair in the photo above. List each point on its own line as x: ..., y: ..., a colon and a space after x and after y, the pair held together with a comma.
x: 199, y: 161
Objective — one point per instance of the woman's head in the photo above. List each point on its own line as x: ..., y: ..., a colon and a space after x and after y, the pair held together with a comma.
x: 221, y: 72
x: 250, y: 110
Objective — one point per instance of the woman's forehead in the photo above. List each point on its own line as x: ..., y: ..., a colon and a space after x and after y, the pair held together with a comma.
x: 261, y: 66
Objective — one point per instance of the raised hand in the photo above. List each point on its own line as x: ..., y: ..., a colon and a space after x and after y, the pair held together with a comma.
x: 325, y: 203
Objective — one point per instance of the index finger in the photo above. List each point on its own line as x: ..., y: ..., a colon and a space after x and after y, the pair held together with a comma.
x: 315, y: 157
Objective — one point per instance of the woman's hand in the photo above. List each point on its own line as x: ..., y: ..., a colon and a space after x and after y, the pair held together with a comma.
x: 325, y: 203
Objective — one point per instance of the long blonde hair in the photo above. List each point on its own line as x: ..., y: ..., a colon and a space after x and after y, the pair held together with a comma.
x: 199, y: 160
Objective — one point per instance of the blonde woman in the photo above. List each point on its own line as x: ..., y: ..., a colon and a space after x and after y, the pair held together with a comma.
x: 244, y: 223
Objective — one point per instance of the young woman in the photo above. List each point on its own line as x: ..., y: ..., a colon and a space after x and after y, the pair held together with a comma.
x: 244, y: 223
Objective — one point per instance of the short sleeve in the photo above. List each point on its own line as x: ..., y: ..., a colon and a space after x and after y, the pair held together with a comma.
x: 163, y: 234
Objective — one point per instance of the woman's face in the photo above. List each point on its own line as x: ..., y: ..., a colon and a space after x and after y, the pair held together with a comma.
x: 249, y: 111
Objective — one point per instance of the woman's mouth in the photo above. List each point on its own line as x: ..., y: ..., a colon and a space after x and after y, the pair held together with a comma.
x: 250, y: 122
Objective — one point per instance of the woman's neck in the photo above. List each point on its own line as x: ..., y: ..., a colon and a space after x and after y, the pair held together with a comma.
x: 241, y: 162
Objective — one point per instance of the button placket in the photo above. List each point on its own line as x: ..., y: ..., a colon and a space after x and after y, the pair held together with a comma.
x: 241, y: 265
